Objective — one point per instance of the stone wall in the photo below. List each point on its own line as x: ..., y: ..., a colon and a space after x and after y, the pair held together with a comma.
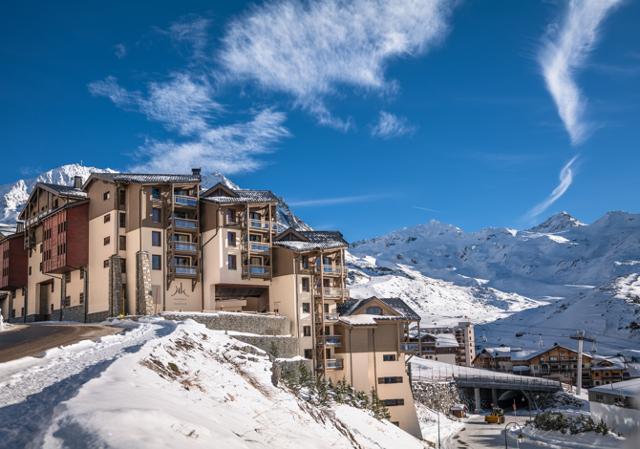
x: 239, y: 322
x: 438, y: 396
x: 97, y: 317
x: 274, y: 345
x: 75, y: 313
x: 116, y: 294
x: 144, y: 299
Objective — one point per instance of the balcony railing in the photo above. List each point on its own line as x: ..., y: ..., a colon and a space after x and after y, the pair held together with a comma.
x: 257, y: 247
x: 183, y: 200
x: 185, y: 247
x: 185, y: 223
x: 331, y: 292
x: 333, y: 340
x: 258, y: 270
x: 335, y: 364
x: 258, y: 224
x: 409, y: 347
x: 184, y: 270
x: 332, y: 316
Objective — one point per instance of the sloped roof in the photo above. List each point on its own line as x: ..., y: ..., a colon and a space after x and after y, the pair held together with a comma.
x: 298, y: 240
x: 63, y: 190
x: 396, y: 304
x: 144, y: 178
x: 625, y: 388
x: 236, y: 196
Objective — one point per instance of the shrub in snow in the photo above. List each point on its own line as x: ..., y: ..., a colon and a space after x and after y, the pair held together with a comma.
x: 568, y: 424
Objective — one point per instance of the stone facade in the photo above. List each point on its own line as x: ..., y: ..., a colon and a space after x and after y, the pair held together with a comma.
x: 438, y: 396
x: 116, y: 292
x: 144, y: 298
x: 274, y: 345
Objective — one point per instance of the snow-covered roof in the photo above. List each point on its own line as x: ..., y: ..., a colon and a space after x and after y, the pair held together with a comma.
x: 364, y: 319
x: 396, y: 304
x: 145, y: 178
x: 244, y: 196
x: 446, y: 341
x: 624, y: 388
x: 63, y: 190
x: 298, y: 240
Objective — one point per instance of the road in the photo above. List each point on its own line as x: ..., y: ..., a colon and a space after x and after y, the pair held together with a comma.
x: 479, y: 435
x: 34, y: 339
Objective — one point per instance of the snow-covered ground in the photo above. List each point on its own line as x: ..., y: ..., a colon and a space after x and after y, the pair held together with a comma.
x: 436, y: 301
x: 168, y: 385
x: 430, y: 422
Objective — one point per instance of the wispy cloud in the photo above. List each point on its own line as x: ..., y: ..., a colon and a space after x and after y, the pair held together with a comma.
x: 564, y: 52
x: 566, y: 179
x: 309, y: 49
x: 390, y: 125
x: 425, y: 209
x: 186, y: 105
x: 191, y: 30
x: 336, y: 200
x: 120, y: 50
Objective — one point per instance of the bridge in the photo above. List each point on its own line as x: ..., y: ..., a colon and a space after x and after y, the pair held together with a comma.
x: 501, y: 386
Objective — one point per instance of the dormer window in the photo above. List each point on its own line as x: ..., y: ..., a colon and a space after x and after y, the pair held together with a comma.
x: 374, y: 310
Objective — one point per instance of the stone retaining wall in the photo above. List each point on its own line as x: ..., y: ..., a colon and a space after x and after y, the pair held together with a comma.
x: 438, y: 396
x: 274, y: 345
x: 239, y: 322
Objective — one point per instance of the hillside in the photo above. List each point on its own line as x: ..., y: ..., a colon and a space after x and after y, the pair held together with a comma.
x: 172, y: 385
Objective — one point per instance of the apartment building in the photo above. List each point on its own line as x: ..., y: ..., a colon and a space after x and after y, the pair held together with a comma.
x: 556, y: 362
x: 126, y: 243
x: 442, y: 347
x: 238, y: 230
x: 373, y: 336
x: 55, y: 237
x: 462, y: 332
x: 308, y: 285
x: 13, y: 281
x: 144, y: 251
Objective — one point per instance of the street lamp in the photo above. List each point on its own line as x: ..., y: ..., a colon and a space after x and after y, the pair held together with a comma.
x: 507, y: 427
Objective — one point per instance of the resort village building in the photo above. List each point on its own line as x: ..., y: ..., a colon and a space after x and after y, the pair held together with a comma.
x: 142, y: 244
x: 448, y: 344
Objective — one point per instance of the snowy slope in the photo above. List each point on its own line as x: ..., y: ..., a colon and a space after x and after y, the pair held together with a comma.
x: 610, y: 314
x: 436, y: 301
x: 547, y: 260
x: 193, y: 388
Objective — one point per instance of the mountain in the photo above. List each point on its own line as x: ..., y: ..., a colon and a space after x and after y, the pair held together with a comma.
x: 13, y: 196
x: 552, y: 259
x: 609, y: 313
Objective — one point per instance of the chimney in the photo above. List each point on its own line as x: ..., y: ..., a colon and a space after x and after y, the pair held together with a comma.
x: 195, y: 171
x: 77, y: 182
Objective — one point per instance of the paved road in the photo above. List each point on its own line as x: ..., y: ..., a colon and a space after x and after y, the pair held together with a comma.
x: 479, y: 435
x: 34, y: 339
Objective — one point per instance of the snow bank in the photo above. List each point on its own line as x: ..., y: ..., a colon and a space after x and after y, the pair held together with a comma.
x: 201, y: 388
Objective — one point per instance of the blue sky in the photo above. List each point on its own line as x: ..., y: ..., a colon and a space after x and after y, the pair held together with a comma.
x: 366, y: 117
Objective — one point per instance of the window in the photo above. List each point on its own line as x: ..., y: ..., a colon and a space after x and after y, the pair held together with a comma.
x: 388, y: 357
x: 232, y: 262
x: 374, y: 310
x: 306, y: 307
x: 123, y: 242
x: 306, y: 331
x: 392, y: 402
x: 67, y: 277
x: 29, y: 271
x: 156, y: 262
x: 305, y: 262
x: 81, y: 298
x: 41, y: 247
x: 107, y: 240
x: 155, y: 193
x: 390, y: 380
x: 122, y: 198
x: 105, y: 264
x: 24, y: 291
x: 326, y: 308
x: 40, y: 266
x: 230, y: 216
x: 156, y: 238
x: 156, y: 214
x: 13, y: 294
x: 67, y: 301
x: 123, y: 219
x: 231, y: 239
x: 107, y: 218
x: 305, y: 284
x: 106, y: 196
x: 123, y: 266
x: 308, y: 354
x: 81, y: 273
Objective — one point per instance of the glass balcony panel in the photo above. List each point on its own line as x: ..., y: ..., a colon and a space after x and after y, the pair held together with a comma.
x: 258, y: 247
x: 188, y: 201
x: 185, y: 246
x: 259, y: 224
x: 185, y: 270
x: 185, y: 223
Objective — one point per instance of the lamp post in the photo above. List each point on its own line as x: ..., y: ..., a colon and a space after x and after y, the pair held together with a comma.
x: 507, y: 426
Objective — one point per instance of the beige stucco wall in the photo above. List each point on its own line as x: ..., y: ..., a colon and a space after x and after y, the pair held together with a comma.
x: 98, y: 253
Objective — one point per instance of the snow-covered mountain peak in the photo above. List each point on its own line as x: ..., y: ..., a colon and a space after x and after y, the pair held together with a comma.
x: 212, y: 179
x: 559, y: 222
